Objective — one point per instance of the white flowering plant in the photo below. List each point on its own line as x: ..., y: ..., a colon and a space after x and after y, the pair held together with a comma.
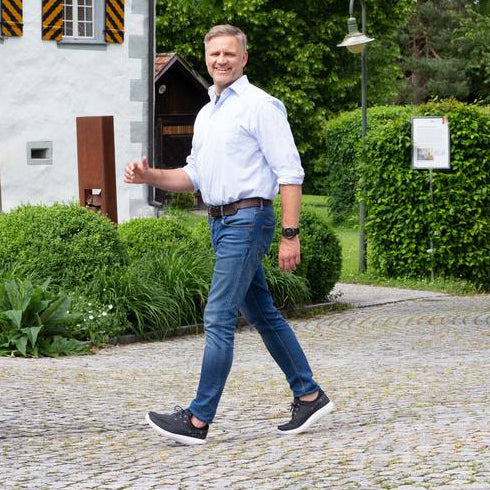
x: 98, y: 322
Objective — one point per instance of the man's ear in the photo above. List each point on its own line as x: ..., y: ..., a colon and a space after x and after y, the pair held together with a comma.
x: 245, y: 58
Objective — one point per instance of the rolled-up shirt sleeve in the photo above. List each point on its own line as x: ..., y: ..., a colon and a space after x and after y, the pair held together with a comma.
x: 276, y: 142
x: 191, y: 170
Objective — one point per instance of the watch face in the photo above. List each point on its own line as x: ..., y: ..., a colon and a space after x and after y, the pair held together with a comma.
x: 289, y: 232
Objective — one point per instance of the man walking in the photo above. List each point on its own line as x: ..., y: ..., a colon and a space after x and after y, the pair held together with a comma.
x: 243, y: 153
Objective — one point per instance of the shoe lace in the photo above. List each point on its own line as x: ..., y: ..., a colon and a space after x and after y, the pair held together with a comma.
x: 180, y: 412
x: 293, y: 408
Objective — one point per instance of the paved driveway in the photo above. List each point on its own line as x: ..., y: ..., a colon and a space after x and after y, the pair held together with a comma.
x: 411, y: 380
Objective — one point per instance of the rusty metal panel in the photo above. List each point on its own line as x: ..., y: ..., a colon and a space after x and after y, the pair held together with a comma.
x: 96, y: 164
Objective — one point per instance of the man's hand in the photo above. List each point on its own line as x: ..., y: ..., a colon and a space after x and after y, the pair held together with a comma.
x: 136, y: 172
x: 289, y: 253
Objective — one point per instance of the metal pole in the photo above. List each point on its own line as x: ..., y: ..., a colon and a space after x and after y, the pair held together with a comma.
x: 362, y: 204
x: 432, y: 272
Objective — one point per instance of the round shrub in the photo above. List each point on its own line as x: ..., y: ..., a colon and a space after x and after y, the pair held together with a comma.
x: 152, y: 235
x: 401, y: 217
x: 336, y: 171
x: 320, y: 253
x: 67, y: 243
x: 288, y: 290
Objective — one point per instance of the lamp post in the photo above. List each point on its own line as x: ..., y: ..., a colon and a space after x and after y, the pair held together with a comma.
x: 355, y: 42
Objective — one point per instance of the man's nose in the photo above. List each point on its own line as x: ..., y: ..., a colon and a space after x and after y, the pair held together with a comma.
x: 221, y: 58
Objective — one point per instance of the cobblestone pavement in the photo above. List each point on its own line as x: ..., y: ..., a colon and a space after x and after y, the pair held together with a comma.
x: 411, y: 381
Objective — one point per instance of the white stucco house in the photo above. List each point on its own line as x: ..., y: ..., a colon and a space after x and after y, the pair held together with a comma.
x: 63, y: 59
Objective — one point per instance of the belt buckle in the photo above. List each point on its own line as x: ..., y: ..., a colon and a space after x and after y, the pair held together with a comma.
x: 214, y: 211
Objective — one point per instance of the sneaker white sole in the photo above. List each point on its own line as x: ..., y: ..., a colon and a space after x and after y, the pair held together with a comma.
x: 329, y: 407
x: 190, y: 441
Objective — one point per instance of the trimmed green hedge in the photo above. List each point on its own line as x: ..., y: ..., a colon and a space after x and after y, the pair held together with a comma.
x: 401, y: 217
x: 152, y: 235
x: 336, y: 171
x: 67, y: 243
x: 149, y: 275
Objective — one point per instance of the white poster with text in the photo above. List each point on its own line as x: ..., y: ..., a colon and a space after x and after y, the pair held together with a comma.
x: 430, y: 143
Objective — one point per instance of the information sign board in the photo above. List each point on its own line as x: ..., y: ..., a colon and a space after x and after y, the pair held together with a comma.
x: 430, y: 143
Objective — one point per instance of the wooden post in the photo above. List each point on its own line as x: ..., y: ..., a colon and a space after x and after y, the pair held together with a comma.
x: 96, y: 164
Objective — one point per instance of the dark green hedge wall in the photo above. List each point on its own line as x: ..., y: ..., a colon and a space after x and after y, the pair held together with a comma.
x: 401, y: 218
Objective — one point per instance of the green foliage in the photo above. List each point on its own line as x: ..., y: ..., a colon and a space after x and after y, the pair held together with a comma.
x: 158, y: 292
x: 288, y: 290
x: 401, y: 217
x: 143, y: 236
x: 471, y: 44
x: 183, y: 200
x: 34, y: 322
x: 336, y: 171
x: 201, y: 234
x: 99, y: 322
x: 293, y: 53
x: 144, y: 305
x: 186, y: 272
x: 445, y: 52
x: 66, y: 243
x: 320, y: 253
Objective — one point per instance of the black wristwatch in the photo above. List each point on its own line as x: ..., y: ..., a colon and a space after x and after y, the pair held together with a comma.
x: 290, y: 232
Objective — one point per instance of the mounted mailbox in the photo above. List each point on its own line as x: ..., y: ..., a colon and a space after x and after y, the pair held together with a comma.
x: 96, y: 164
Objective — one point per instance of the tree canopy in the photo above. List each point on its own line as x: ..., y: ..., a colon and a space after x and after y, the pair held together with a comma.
x: 445, y: 52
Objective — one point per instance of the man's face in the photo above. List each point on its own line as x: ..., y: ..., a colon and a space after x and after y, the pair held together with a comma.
x: 225, y: 59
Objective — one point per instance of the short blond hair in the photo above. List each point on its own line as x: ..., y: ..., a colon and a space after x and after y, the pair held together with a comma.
x: 226, y: 30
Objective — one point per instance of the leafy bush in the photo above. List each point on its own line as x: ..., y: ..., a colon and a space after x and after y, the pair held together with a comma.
x: 141, y: 304
x: 320, y: 253
x: 186, y: 272
x: 201, y: 234
x: 402, y: 218
x: 99, y: 322
x: 157, y: 292
x: 34, y: 321
x: 286, y: 289
x: 152, y: 235
x: 66, y: 243
x: 336, y: 172
x: 183, y: 200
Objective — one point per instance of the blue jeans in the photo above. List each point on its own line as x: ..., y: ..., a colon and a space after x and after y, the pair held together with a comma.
x: 240, y: 243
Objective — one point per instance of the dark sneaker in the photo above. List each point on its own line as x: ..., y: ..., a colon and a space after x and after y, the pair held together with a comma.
x: 304, y: 414
x: 177, y: 426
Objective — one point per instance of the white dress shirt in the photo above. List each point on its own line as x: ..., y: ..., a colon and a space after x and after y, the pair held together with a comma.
x: 242, y: 146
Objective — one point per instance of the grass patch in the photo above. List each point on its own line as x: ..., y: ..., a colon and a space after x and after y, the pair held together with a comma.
x: 349, y: 241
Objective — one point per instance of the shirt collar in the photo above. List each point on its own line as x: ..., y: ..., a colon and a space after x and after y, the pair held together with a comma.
x: 238, y: 86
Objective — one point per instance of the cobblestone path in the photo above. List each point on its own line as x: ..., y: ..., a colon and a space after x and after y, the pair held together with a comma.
x: 411, y: 381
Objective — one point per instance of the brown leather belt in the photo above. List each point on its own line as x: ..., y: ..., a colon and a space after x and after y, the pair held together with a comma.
x: 233, y: 207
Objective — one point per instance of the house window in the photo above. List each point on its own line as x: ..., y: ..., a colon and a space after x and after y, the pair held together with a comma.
x: 78, y: 19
